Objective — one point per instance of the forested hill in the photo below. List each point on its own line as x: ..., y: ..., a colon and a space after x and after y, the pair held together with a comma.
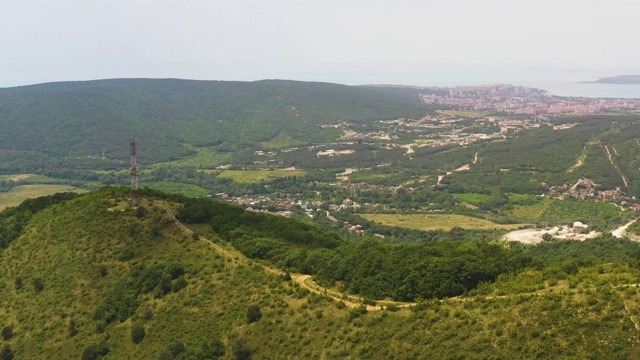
x: 96, y: 118
x: 86, y: 276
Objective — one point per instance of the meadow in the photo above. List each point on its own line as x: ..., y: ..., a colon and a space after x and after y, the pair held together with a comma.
x: 20, y: 193
x: 251, y: 176
x: 179, y: 188
x: 469, y: 114
x: 437, y: 222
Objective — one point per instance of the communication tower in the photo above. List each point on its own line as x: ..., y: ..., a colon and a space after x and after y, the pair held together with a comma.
x: 135, y: 193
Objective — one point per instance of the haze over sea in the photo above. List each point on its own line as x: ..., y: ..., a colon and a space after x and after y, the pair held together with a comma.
x: 557, y: 81
x: 562, y: 81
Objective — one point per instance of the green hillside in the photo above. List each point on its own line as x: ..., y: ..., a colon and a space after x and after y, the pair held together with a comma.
x: 85, y: 276
x: 87, y: 124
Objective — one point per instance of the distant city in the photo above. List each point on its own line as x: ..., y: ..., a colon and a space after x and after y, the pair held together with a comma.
x: 521, y: 100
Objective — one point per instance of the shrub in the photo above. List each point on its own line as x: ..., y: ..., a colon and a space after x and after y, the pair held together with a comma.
x: 141, y: 212
x: 147, y: 314
x: 253, y: 313
x: 357, y: 312
x: 103, y: 271
x: 90, y: 353
x: 213, y: 350
x: 6, y: 353
x: 18, y: 283
x: 137, y: 333
x: 241, y: 350
x: 38, y: 285
x: 71, y: 328
x: 179, y: 284
x: 7, y: 332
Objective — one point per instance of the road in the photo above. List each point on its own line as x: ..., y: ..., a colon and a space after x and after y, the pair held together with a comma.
x: 624, y: 179
x: 303, y: 280
x: 620, y: 232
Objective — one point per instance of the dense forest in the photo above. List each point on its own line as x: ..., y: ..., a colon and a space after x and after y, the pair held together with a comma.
x: 90, y: 122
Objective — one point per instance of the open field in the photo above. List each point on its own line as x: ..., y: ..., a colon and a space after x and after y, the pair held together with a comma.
x: 21, y: 193
x: 437, y: 222
x: 531, y: 211
x: 281, y: 141
x: 249, y: 176
x: 473, y: 199
x: 205, y: 158
x: 535, y: 236
x: 184, y: 189
x: 31, y: 178
x: 470, y: 114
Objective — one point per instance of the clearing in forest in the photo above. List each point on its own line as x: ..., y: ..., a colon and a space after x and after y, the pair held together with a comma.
x: 21, y: 193
x: 250, y: 176
x: 437, y: 222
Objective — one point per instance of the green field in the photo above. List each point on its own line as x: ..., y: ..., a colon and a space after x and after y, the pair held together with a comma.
x: 250, y: 176
x: 204, y: 158
x: 184, y: 189
x: 20, y: 193
x: 531, y: 211
x: 473, y: 199
x: 29, y: 178
x: 437, y: 222
x: 470, y: 114
x: 281, y: 141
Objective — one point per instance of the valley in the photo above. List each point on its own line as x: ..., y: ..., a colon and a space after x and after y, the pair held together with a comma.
x: 368, y: 221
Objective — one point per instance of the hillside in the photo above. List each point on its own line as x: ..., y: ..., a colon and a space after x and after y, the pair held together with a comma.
x: 80, y: 272
x: 87, y: 124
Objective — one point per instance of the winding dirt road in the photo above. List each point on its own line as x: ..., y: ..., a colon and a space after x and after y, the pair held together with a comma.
x: 303, y: 280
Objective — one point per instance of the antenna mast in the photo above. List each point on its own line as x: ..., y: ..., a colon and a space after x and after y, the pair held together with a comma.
x: 135, y: 193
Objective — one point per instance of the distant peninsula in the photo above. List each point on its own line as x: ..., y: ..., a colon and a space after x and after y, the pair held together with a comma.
x: 620, y: 79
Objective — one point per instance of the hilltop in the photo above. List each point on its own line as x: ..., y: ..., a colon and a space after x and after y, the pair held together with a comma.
x: 81, y: 272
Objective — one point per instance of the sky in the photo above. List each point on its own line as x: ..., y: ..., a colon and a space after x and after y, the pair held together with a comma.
x: 345, y: 41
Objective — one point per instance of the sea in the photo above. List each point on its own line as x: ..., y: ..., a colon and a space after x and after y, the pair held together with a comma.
x: 557, y: 80
x: 561, y: 81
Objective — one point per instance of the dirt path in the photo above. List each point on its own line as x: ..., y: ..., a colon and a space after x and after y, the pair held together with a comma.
x: 475, y: 158
x: 624, y: 179
x: 620, y: 232
x: 580, y: 161
x: 303, y: 280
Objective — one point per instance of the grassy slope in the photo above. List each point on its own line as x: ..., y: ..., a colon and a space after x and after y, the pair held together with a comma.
x: 66, y: 244
x: 436, y: 221
x: 18, y: 194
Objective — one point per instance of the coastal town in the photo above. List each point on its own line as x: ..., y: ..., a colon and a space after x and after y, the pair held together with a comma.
x: 521, y: 100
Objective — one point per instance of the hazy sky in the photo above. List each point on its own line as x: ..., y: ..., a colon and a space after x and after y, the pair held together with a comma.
x: 349, y: 41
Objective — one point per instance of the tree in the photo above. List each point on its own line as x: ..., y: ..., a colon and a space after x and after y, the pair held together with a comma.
x: 137, y: 333
x: 141, y: 211
x: 103, y: 271
x: 7, y: 332
x: 241, y: 350
x: 71, y: 328
x: 90, y: 353
x: 38, y: 285
x: 6, y: 353
x: 213, y: 350
x: 253, y: 313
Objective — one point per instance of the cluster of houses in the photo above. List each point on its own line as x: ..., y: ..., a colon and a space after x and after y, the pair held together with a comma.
x: 522, y: 100
x: 585, y: 189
